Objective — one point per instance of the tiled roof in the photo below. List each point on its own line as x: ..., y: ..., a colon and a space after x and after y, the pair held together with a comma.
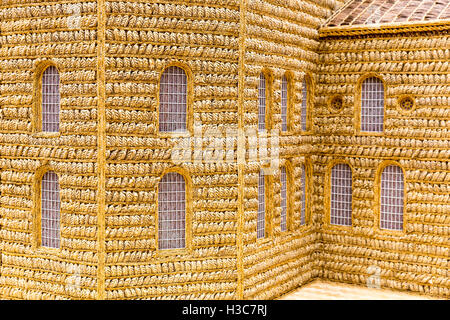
x: 367, y: 12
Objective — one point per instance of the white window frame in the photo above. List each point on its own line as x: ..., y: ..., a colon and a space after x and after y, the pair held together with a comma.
x: 284, y: 103
x: 172, y: 206
x: 261, y: 217
x: 173, y: 100
x: 304, y: 195
x: 262, y: 102
x: 50, y: 211
x: 372, y: 105
x: 392, y: 195
x: 284, y: 198
x: 50, y: 99
x: 304, y: 107
x: 341, y: 195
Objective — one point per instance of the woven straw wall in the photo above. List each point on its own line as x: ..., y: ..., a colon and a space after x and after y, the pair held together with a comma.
x: 33, y: 34
x: 415, y: 65
x: 281, y: 36
x: 110, y: 103
x: 202, y: 38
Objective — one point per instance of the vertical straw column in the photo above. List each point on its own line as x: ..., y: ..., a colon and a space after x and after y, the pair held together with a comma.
x: 1, y: 214
x: 101, y: 152
x: 241, y: 151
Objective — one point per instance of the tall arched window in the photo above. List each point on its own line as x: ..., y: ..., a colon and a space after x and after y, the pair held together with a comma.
x: 341, y: 195
x: 261, y: 219
x: 173, y: 100
x: 172, y: 211
x: 284, y: 104
x: 372, y: 105
x: 304, y: 109
x: 50, y: 210
x: 284, y: 199
x: 262, y: 102
x: 50, y: 100
x: 303, y: 202
x: 391, y: 198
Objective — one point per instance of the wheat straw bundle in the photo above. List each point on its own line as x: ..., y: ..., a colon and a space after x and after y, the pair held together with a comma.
x: 113, y: 142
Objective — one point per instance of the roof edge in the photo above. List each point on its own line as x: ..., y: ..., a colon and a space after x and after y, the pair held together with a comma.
x: 335, y: 13
x: 395, y: 27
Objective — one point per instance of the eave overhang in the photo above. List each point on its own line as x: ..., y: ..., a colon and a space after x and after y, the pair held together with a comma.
x: 385, y: 28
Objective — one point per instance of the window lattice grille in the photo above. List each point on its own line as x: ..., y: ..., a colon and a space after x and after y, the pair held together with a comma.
x: 392, y: 194
x: 303, y: 186
x: 172, y: 211
x: 173, y: 100
x: 372, y: 105
x: 262, y: 103
x: 304, y: 110
x: 50, y: 100
x: 261, y: 220
x: 284, y: 200
x: 284, y: 104
x: 341, y: 195
x: 50, y: 211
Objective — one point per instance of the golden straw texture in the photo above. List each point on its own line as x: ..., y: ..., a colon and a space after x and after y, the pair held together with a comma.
x: 110, y: 155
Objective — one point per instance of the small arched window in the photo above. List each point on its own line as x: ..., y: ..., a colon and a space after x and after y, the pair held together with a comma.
x: 50, y: 210
x: 284, y: 198
x: 372, y: 105
x: 284, y: 104
x: 172, y: 211
x: 391, y: 198
x: 173, y: 100
x: 262, y: 102
x: 261, y: 219
x: 341, y: 195
x: 303, y: 199
x: 304, y: 109
x: 50, y: 99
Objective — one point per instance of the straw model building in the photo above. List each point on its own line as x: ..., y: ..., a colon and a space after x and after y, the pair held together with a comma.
x: 223, y: 149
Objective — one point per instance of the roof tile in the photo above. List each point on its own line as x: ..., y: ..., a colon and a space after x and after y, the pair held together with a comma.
x: 366, y: 12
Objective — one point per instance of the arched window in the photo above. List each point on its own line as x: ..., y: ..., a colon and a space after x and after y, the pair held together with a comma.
x: 50, y: 211
x: 304, y: 109
x: 284, y: 199
x: 173, y: 100
x: 261, y: 220
x: 372, y: 105
x: 50, y: 100
x: 391, y: 198
x: 341, y: 195
x: 284, y: 104
x: 262, y: 102
x: 303, y: 202
x: 172, y: 211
